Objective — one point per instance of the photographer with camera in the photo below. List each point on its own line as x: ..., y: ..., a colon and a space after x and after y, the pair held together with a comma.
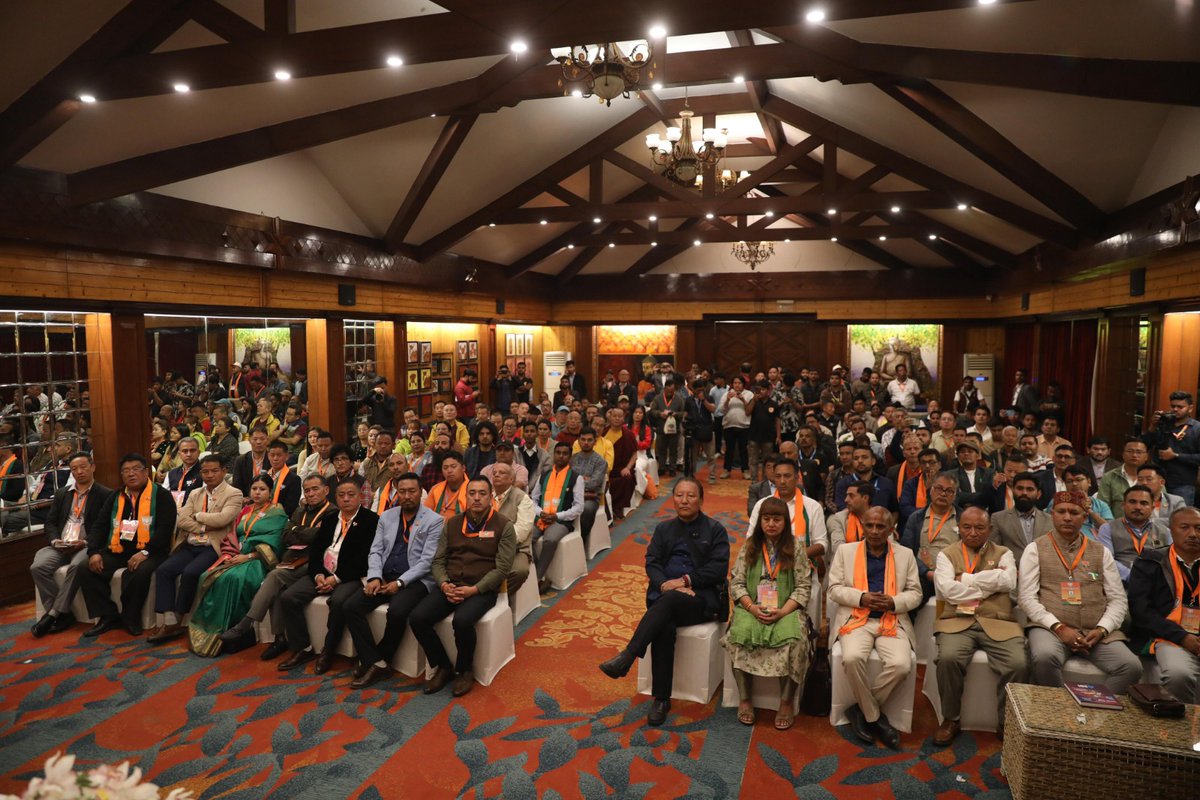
x: 1174, y: 441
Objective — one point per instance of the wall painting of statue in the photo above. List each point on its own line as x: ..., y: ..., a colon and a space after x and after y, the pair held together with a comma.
x: 884, y: 347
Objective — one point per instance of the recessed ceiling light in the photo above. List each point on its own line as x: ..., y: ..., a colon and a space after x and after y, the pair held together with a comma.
x: 395, y: 61
x: 654, y: 244
x: 543, y: 222
x: 596, y: 220
x: 653, y: 218
x: 895, y: 209
x: 709, y: 215
x: 432, y: 115
x: 182, y: 88
x: 576, y: 93
x: 831, y: 211
x: 282, y: 75
x: 657, y: 31
x: 883, y: 238
x: 932, y: 237
x: 815, y: 15
x: 612, y: 244
x: 491, y: 224
x: 570, y: 247
x: 656, y: 87
x: 833, y: 238
x: 518, y: 46
x: 696, y: 243
x: 786, y: 240
x: 87, y: 98
x: 986, y: 2
x: 770, y: 213
x: 739, y: 78
x: 962, y: 206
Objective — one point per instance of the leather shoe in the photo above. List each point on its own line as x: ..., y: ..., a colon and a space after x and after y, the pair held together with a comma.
x: 463, y: 682
x: 274, y: 650
x: 441, y: 676
x: 887, y: 734
x: 103, y: 625
x: 859, y: 724
x: 372, y: 676
x: 235, y: 641
x: 296, y: 660
x: 324, y: 662
x: 544, y: 586
x: 164, y: 634
x: 946, y: 733
x: 362, y: 668
x: 618, y: 666
x: 658, y: 712
x: 42, y: 626
x: 63, y: 622
x: 136, y: 629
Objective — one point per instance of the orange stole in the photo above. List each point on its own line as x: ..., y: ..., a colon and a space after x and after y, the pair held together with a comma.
x: 887, y: 624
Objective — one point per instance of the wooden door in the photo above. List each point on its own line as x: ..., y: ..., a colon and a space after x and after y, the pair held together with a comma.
x: 763, y: 343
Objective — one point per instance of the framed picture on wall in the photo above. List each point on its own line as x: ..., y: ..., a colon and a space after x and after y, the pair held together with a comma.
x: 473, y: 350
x: 460, y: 350
x: 413, y: 381
x: 528, y: 351
x: 413, y: 348
x: 425, y: 380
x: 510, y: 344
x: 426, y: 353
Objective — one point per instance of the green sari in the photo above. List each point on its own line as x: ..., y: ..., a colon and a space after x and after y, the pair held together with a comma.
x: 227, y: 589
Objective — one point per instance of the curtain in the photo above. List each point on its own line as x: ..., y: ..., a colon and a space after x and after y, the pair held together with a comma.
x: 1068, y: 355
x: 1018, y: 354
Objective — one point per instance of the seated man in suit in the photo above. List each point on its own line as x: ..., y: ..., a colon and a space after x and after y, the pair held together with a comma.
x: 1074, y: 601
x: 397, y: 574
x: 134, y: 531
x: 874, y: 584
x: 687, y: 560
x: 1115, y: 481
x: 1128, y: 537
x: 975, y: 482
x: 1164, y: 598
x: 974, y: 583
x: 207, y: 517
x: 284, y: 478
x: 185, y: 478
x: 1054, y: 478
x: 1154, y: 477
x: 863, y: 469
x: 766, y: 487
x: 473, y: 558
x: 917, y: 489
x: 73, y: 512
x: 513, y: 504
x: 1003, y: 497
x: 1017, y: 527
x: 559, y: 498
x: 933, y: 528
x: 846, y: 525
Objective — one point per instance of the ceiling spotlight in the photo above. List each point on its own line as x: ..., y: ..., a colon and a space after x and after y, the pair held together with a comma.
x: 657, y: 31
x: 653, y: 218
x: 282, y: 75
x: 543, y: 222
x: 596, y: 220
x: 833, y: 238
x: 770, y: 213
x: 656, y: 87
x: 431, y: 116
x: 87, y: 98
x: 739, y: 78
x: 709, y: 215
x: 986, y: 2
x: 895, y: 209
x: 933, y: 237
x: 787, y: 240
x: 570, y: 247
x: 491, y: 224
x: 815, y: 15
x: 883, y: 238
x: 518, y: 46
x: 962, y: 206
x: 612, y: 244
x: 696, y: 243
x: 654, y: 244
x: 182, y: 88
x: 576, y: 93
x: 831, y: 211
x: 395, y: 61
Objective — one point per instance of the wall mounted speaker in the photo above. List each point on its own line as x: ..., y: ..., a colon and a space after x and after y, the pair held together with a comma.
x: 346, y: 294
x: 1025, y: 302
x: 1137, y: 282
x: 499, y: 306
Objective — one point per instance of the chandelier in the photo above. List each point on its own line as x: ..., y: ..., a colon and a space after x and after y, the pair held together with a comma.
x: 682, y: 158
x: 605, y: 70
x: 725, y: 179
x: 753, y: 253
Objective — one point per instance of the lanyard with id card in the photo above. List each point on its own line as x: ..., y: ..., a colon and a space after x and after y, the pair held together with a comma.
x: 1189, y: 619
x: 128, y: 529
x: 768, y: 588
x: 1071, y: 591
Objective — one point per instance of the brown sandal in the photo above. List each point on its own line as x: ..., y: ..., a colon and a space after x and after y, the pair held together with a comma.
x: 784, y: 718
x: 745, y: 712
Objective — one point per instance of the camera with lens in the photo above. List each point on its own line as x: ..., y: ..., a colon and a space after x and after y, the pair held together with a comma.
x: 1167, y: 420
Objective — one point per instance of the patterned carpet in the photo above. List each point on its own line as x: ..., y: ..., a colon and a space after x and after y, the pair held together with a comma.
x: 551, y: 725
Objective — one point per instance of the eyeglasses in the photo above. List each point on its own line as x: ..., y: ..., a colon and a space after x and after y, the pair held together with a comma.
x: 944, y: 489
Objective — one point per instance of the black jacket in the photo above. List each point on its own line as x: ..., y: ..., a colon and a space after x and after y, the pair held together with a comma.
x: 166, y: 514
x: 243, y: 472
x: 709, y: 540
x: 352, y: 558
x: 1151, y: 598
x: 289, y: 496
x: 60, y: 510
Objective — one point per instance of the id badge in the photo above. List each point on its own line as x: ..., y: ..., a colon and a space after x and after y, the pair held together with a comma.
x: 1189, y: 620
x: 768, y: 594
x: 926, y: 556
x: 486, y: 534
x: 201, y: 538
x: 966, y: 608
x: 1072, y: 593
x: 179, y: 496
x: 330, y: 562
x: 128, y: 529
x: 71, y: 532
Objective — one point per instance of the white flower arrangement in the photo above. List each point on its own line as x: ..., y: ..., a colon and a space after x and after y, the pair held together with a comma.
x: 110, y: 783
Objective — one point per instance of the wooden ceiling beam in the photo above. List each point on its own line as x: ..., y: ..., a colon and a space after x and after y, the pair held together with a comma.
x: 772, y: 128
x: 667, y: 187
x: 52, y: 101
x: 861, y: 233
x: 660, y: 254
x: 279, y: 17
x: 914, y: 170
x: 949, y: 252
x: 453, y: 134
x: 220, y: 20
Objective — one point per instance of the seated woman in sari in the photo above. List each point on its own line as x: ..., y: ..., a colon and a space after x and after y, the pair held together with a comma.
x: 767, y: 635
x: 247, y: 554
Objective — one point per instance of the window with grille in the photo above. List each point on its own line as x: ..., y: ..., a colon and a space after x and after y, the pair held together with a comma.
x: 360, y: 370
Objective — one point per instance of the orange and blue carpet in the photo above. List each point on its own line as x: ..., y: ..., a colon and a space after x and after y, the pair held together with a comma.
x: 551, y: 725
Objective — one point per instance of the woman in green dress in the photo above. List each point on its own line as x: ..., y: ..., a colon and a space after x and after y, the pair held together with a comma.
x: 227, y: 588
x: 767, y: 635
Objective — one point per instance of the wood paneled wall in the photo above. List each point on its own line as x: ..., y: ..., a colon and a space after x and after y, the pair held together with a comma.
x: 1180, y: 357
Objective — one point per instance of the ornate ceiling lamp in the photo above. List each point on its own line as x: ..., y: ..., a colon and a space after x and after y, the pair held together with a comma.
x: 683, y: 159
x: 606, y: 70
x: 753, y: 253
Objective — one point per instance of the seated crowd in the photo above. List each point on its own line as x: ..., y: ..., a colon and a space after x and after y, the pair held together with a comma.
x: 861, y: 511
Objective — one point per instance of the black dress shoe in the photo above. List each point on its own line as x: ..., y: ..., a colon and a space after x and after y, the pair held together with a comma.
x: 274, y: 650
x: 619, y: 665
x: 103, y: 625
x: 296, y: 660
x: 372, y: 676
x: 324, y: 662
x: 135, y: 628
x: 42, y: 626
x: 658, y: 712
x: 239, y: 641
x: 887, y: 734
x: 544, y: 586
x: 441, y: 677
x: 361, y: 669
x: 63, y: 622
x: 859, y: 724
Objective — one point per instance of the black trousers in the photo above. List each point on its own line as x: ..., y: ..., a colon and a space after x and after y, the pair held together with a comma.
x: 135, y: 588
x: 400, y: 605
x: 657, y: 629
x: 300, y: 594
x: 436, y: 607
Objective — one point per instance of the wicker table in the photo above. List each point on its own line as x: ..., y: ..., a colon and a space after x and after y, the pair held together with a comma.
x: 1053, y: 749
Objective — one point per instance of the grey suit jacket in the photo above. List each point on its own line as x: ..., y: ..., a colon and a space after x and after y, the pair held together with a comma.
x: 1008, y: 531
x: 843, y: 593
x: 758, y: 491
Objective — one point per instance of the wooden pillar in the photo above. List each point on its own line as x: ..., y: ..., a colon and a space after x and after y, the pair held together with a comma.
x: 488, y: 364
x: 585, y: 358
x: 401, y: 372
x: 1180, y: 369
x: 386, y: 355
x: 120, y: 414
x: 325, y: 341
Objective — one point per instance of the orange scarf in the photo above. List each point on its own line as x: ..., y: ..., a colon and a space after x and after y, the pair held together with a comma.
x: 858, y: 618
x: 437, y: 500
x: 552, y: 493
x: 854, y: 532
x: 800, y: 518
x: 1176, y: 614
x: 903, y: 476
x: 283, y: 473
x: 384, y: 494
x: 145, y: 511
x: 7, y: 466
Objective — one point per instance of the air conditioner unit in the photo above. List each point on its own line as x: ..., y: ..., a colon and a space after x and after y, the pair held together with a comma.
x: 982, y: 367
x: 554, y: 364
x: 202, y: 363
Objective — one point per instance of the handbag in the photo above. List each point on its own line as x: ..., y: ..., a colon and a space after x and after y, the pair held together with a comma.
x: 817, y: 698
x: 1155, y: 700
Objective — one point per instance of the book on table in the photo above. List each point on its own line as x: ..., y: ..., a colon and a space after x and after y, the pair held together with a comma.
x: 1093, y: 695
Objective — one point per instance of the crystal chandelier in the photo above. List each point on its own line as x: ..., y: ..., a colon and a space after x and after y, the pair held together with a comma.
x: 753, y: 253
x: 606, y: 70
x: 682, y: 158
